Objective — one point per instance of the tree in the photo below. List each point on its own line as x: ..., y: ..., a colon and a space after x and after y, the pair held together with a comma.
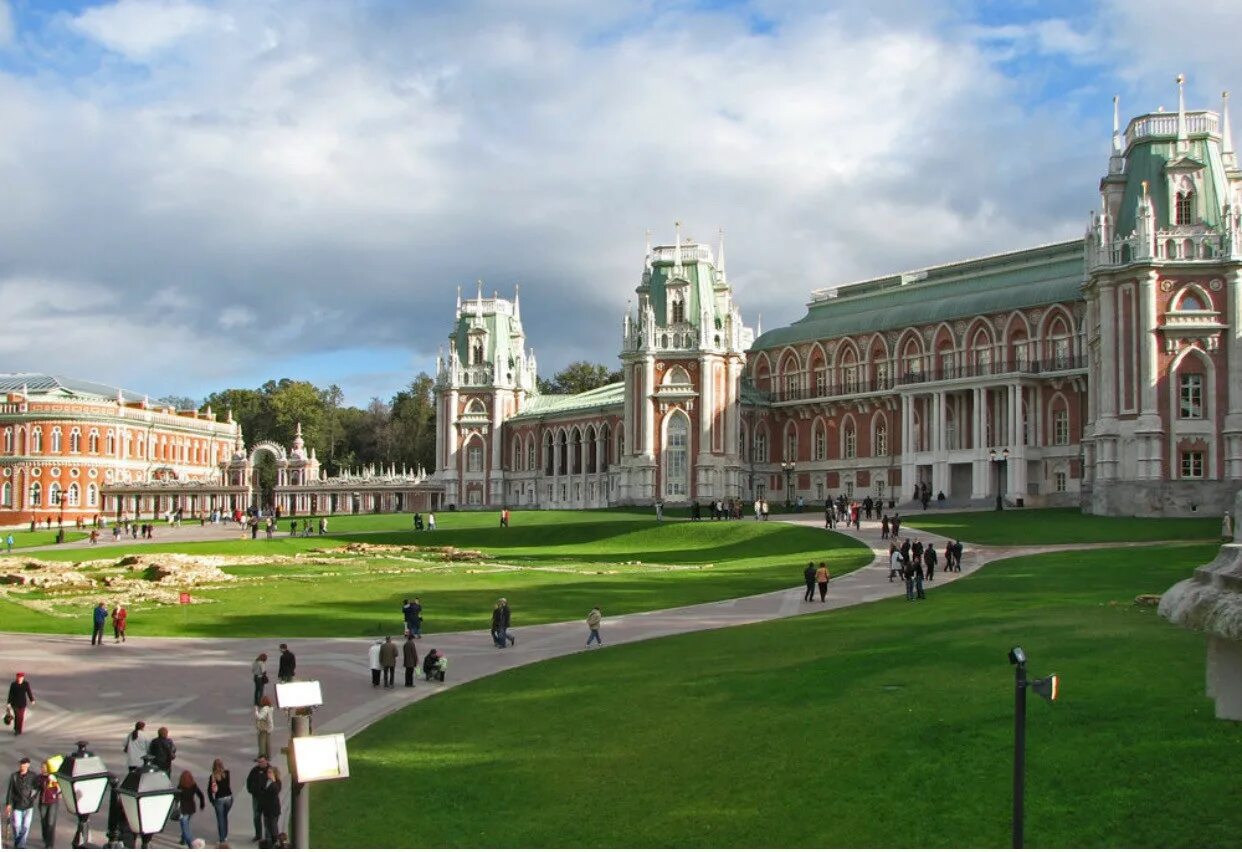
x: 580, y: 376
x: 179, y: 403
x: 414, y: 424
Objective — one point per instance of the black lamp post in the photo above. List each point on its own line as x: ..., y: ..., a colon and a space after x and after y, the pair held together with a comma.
x: 788, y: 469
x: 1047, y: 687
x: 84, y: 778
x: 1002, y: 465
x: 146, y: 797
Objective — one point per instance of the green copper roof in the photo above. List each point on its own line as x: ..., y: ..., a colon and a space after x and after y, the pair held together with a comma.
x: 554, y: 405
x: 1003, y: 282
x: 1146, y: 162
x: 44, y: 384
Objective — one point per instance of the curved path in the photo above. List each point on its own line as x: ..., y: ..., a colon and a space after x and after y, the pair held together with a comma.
x: 201, y: 688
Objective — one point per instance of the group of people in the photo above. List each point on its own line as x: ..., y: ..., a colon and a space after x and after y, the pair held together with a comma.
x: 914, y: 563
x: 382, y: 659
x: 719, y: 510
x: 125, y: 528
x: 430, y: 523
x: 99, y: 619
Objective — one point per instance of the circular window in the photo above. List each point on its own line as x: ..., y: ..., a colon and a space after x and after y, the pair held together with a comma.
x: 8, y: 471
x: 74, y: 472
x: 92, y: 473
x: 108, y: 475
x: 34, y: 471
x: 55, y: 471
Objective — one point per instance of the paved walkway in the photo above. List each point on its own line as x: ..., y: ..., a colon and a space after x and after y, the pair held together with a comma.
x: 201, y: 688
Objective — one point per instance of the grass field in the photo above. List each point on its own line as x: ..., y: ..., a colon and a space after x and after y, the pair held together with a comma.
x: 1060, y: 526
x: 551, y: 565
x: 38, y: 538
x: 883, y: 725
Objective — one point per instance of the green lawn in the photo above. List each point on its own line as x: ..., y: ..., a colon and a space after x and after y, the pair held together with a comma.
x: 883, y: 725
x: 38, y: 538
x: 1059, y: 526
x: 551, y: 565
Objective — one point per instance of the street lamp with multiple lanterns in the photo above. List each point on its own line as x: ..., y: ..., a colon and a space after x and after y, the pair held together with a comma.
x: 788, y: 468
x: 146, y: 795
x: 1001, y: 461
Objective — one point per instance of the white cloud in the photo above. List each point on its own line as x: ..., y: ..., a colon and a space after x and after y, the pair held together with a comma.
x: 7, y: 29
x: 140, y: 28
x: 308, y: 177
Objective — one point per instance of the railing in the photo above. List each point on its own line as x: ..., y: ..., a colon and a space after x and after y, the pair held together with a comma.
x: 1165, y: 124
x: 914, y: 377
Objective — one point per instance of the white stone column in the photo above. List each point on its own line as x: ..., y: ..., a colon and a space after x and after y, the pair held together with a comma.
x: 1232, y: 432
x: 648, y: 403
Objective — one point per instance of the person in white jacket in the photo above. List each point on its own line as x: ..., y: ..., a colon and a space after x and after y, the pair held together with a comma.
x: 136, y: 743
x: 373, y: 660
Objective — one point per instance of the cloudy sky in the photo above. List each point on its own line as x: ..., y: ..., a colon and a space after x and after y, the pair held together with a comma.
x: 196, y: 195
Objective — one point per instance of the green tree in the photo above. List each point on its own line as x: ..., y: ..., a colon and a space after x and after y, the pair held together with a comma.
x: 414, y: 424
x: 180, y: 403
x: 580, y: 376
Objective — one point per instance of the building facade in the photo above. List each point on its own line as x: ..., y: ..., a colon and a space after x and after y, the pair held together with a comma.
x: 1104, y: 372
x: 63, y: 442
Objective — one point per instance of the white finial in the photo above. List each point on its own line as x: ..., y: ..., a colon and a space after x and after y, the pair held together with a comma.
x: 478, y: 302
x: 720, y: 257
x: 1226, y: 142
x: 1116, y: 125
x: 517, y: 301
x: 759, y: 325
x: 1183, y: 141
x: 459, y: 300
x: 297, y: 432
x: 677, y: 246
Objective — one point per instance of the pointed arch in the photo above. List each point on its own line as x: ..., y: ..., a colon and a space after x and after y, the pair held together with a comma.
x: 676, y: 375
x: 1056, y: 337
x: 879, y: 433
x: 1191, y: 297
x: 817, y: 367
x: 1017, y: 340
x: 515, y: 456
x: 1058, y: 424
x: 849, y: 437
x: 474, y: 453
x: 549, y: 453
x: 532, y: 462
x: 676, y: 456
x: 789, y: 446
x: 910, y: 352
x: 761, y: 373
x: 819, y: 439
x: 761, y: 443
x: 1193, y: 399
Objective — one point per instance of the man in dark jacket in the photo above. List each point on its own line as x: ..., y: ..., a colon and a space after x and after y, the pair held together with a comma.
x: 506, y: 617
x: 409, y: 658
x: 19, y: 802
x: 388, y: 661
x: 100, y: 619
x: 163, y: 751
x: 288, y: 664
x: 256, y: 780
x: 497, y: 618
x: 809, y: 576
x: 20, y: 697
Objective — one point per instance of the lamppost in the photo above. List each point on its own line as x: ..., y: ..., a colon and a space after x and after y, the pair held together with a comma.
x: 788, y: 468
x: 1002, y: 466
x: 1047, y: 687
x: 146, y: 797
x: 310, y: 758
x: 84, y: 777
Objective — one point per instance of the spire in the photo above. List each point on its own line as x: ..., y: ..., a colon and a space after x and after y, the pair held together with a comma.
x: 648, y: 254
x: 297, y: 431
x: 478, y: 303
x: 677, y: 247
x: 1116, y: 126
x: 1183, y: 140
x: 720, y: 257
x: 759, y: 326
x: 517, y: 301
x: 1226, y: 133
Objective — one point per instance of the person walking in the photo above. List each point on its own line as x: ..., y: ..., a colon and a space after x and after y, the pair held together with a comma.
x: 99, y: 619
x: 822, y: 575
x: 917, y: 566
x: 409, y: 658
x: 809, y: 576
x: 416, y: 618
x: 21, y: 696
x: 828, y: 515
x: 594, y: 617
x: 506, y: 618
x: 431, y: 522
x: 120, y: 618
x: 388, y: 661
x: 269, y: 805
x: 220, y: 794
x: 896, y: 524
x: 255, y: 780
x: 264, y: 724
x: 373, y: 662
x: 287, y: 665
x: 957, y: 556
x: 884, y: 527
x: 907, y: 574
x: 659, y: 509
x: 49, y: 800
x: 929, y: 559
x: 163, y: 751
x: 496, y: 618
x: 8, y: 542
x: 894, y: 561
x: 187, y: 793
x: 137, y: 746
x: 258, y: 672
x: 19, y: 802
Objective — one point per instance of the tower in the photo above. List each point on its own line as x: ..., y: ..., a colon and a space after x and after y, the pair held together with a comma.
x: 485, y: 377
x: 682, y: 353
x: 1164, y: 280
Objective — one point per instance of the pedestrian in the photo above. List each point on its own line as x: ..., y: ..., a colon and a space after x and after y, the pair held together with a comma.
x: 884, y: 527
x: 187, y: 792
x: 287, y: 665
x: 264, y: 724
x: 431, y: 522
x: 8, y: 542
x: 907, y: 574
x: 323, y: 526
x: 162, y: 750
x: 894, y: 561
x: 594, y: 617
x: 100, y: 617
x: 49, y: 800
x: 416, y: 624
x: 220, y: 794
x: 496, y: 619
x: 896, y: 524
x: 120, y: 619
x: 255, y: 780
x: 269, y: 805
x: 917, y: 567
x: 828, y: 515
x: 388, y: 661
x: 435, y: 665
x: 929, y: 559
x: 822, y: 575
x: 409, y: 658
x: 506, y: 618
x: 809, y: 576
x: 373, y: 662
x: 21, y: 696
x: 258, y: 673
x: 407, y: 617
x: 137, y: 745
x: 19, y: 802
x: 659, y: 507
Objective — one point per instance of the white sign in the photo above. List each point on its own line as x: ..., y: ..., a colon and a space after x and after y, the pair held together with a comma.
x: 319, y: 758
x: 298, y: 693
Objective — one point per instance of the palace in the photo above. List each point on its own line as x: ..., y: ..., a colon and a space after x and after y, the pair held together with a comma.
x: 1104, y: 372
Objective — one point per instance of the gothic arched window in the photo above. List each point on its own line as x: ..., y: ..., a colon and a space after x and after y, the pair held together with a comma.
x: 1184, y: 208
